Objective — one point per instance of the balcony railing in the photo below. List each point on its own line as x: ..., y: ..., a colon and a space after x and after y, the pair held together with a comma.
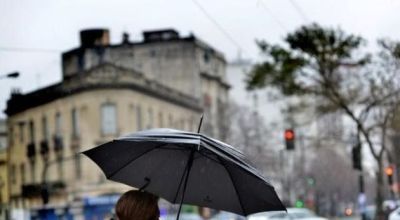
x: 44, y: 147
x: 75, y: 142
x: 31, y: 150
x: 34, y: 190
x: 31, y: 190
x: 58, y: 144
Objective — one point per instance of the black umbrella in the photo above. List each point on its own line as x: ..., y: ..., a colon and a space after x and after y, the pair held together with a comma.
x: 185, y: 167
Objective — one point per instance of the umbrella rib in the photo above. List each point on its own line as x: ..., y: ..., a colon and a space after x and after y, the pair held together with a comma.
x: 131, y: 160
x: 180, y: 182
x: 234, y: 185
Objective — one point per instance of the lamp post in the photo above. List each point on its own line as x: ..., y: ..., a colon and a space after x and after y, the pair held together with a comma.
x: 10, y: 75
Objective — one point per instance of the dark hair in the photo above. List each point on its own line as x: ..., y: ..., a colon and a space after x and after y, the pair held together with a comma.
x: 137, y: 205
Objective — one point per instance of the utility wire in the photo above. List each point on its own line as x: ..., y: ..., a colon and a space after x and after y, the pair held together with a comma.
x: 300, y: 11
x: 214, y: 21
x: 28, y: 50
x: 277, y: 21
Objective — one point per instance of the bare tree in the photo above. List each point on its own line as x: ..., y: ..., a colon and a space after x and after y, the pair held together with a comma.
x: 327, y: 64
x: 248, y: 132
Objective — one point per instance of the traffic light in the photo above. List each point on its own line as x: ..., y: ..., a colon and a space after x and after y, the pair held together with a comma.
x: 310, y: 181
x: 389, y: 173
x: 356, y: 154
x: 299, y: 203
x: 289, y: 139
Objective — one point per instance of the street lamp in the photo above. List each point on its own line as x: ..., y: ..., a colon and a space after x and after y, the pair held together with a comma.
x: 10, y: 75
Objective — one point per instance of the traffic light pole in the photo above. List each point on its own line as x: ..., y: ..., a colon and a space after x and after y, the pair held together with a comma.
x: 361, y: 197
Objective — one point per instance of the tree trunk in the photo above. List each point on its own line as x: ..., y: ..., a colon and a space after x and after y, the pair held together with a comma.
x: 380, y: 214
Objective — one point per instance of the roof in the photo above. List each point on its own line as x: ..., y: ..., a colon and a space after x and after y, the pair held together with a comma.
x: 89, y: 81
x: 190, y: 39
x: 215, y: 78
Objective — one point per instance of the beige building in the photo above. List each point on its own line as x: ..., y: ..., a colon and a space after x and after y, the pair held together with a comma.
x: 106, y: 91
x: 3, y: 169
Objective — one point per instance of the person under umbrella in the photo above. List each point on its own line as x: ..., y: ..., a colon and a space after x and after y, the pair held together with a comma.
x: 138, y: 205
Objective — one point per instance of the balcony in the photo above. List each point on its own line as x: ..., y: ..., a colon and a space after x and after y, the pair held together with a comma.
x: 75, y: 142
x: 34, y: 190
x: 31, y: 150
x: 44, y: 147
x: 31, y: 190
x: 58, y: 144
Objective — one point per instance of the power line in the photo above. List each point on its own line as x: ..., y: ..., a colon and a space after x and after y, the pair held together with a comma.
x: 29, y: 50
x: 277, y: 21
x: 300, y: 11
x: 223, y: 31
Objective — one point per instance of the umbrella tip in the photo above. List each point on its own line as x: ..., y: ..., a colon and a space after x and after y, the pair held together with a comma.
x: 201, y: 122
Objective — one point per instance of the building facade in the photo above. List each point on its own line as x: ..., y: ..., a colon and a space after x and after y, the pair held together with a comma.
x: 3, y: 170
x: 106, y: 91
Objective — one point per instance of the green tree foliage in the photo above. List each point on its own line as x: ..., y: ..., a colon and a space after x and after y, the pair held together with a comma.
x: 331, y: 67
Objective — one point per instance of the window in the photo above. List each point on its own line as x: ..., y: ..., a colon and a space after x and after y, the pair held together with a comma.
x: 21, y: 131
x: 108, y: 119
x: 75, y: 125
x: 11, y: 139
x: 58, y: 124
x: 138, y: 118
x: 13, y: 174
x: 78, y: 170
x: 31, y: 132
x: 191, y: 124
x: 32, y: 166
x: 60, y: 170
x: 170, y: 121
x: 160, y: 120
x: 45, y: 131
x: 150, y: 119
x: 22, y: 171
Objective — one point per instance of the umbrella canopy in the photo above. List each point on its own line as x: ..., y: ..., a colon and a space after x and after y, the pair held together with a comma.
x: 187, y: 167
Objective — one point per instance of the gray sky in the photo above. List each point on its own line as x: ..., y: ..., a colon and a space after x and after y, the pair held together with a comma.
x: 54, y: 25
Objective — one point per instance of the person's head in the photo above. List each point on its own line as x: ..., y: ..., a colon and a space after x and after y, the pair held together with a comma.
x: 137, y: 205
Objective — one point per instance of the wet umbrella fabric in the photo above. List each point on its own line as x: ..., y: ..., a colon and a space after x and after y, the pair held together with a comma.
x: 172, y: 163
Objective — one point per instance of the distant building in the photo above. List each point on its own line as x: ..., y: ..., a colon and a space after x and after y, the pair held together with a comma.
x: 236, y: 76
x: 106, y: 91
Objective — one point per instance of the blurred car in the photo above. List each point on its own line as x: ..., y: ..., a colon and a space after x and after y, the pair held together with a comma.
x: 227, y: 216
x: 182, y: 216
x: 395, y: 215
x: 370, y: 212
x: 291, y: 214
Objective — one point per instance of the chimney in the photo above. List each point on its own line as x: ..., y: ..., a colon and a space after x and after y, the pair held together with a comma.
x: 125, y: 38
x: 160, y: 35
x: 95, y: 37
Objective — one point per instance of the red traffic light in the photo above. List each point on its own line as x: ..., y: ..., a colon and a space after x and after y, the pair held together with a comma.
x: 289, y: 134
x: 389, y: 170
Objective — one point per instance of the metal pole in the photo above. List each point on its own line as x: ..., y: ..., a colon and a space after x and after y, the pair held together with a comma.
x: 361, y: 185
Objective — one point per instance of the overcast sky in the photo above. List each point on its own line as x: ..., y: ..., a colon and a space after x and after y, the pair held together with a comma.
x: 52, y: 26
